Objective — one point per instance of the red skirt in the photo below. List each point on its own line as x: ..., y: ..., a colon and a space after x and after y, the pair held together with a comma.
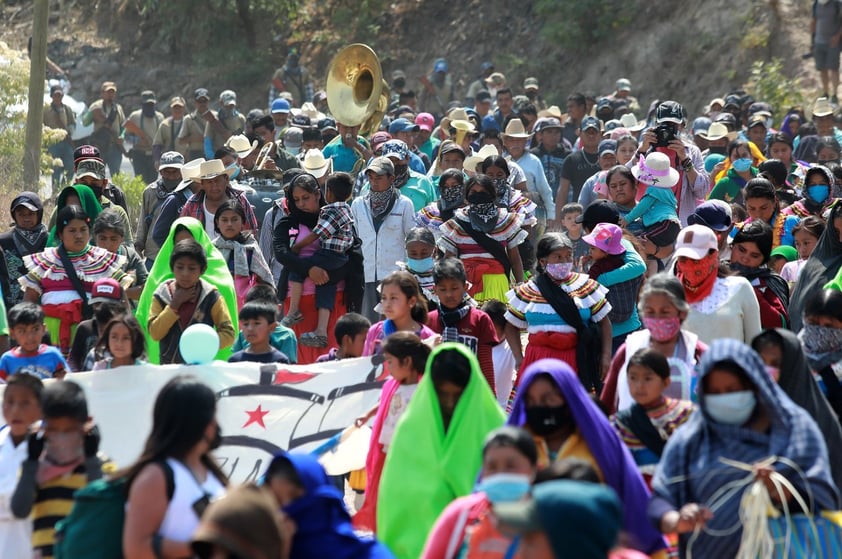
x: 550, y: 345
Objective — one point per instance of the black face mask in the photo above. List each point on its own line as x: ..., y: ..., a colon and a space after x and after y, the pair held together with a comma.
x: 480, y: 198
x: 545, y: 420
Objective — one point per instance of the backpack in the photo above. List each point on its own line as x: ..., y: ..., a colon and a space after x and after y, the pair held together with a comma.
x: 94, y: 527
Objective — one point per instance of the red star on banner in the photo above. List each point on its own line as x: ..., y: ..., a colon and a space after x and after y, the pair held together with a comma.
x: 256, y: 416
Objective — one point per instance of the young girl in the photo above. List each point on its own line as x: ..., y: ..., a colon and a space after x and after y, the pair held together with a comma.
x: 239, y: 249
x: 121, y: 343
x: 649, y: 422
x: 806, y: 236
x: 109, y: 233
x: 821, y: 338
x: 406, y: 358
x: 405, y: 309
x: 452, y: 188
x: 420, y: 257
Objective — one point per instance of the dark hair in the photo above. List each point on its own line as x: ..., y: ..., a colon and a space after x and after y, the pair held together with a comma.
x: 109, y: 220
x: 828, y: 142
x: 512, y: 437
x: 757, y: 232
x: 622, y: 170
x: 105, y: 311
x: 572, y: 208
x: 775, y: 171
x: 738, y: 143
x: 183, y: 410
x: 738, y: 213
x: 779, y: 138
x: 811, y: 224
x: 225, y: 151
x: 760, y: 188
x: 568, y: 468
x: 408, y: 285
x: 262, y: 292
x: 666, y: 284
x: 491, y: 134
x: 767, y: 338
x: 266, y: 122
x: 485, y: 182
x: 407, y: 345
x: 449, y: 268
x: 253, y: 310
x: 550, y: 243
x: 577, y: 98
x: 229, y: 205
x: 341, y: 185
x: 283, y: 469
x: 496, y: 311
x: 827, y: 302
x: 651, y: 359
x: 64, y: 398
x: 351, y: 325
x: 189, y: 248
x: 451, y: 174
x: 495, y: 161
x: 26, y: 313
x: 503, y: 91
x: 450, y: 365
x: 420, y: 234
x: 129, y: 321
x: 732, y: 367
x: 26, y: 380
x: 68, y: 214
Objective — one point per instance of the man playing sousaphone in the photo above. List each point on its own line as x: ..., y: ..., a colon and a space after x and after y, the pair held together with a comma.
x: 349, y: 150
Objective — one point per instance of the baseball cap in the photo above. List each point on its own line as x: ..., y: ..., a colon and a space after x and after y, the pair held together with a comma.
x: 713, y: 214
x: 530, y: 83
x: 402, y: 125
x: 545, y: 123
x: 761, y: 108
x: 201, y: 93
x: 378, y: 139
x: 604, y: 104
x: 280, y: 106
x: 171, y: 160
x: 54, y: 88
x: 425, y: 121
x: 381, y: 165
x: 293, y: 138
x: 440, y: 65
x: 177, y: 101
x: 301, y: 121
x: 601, y: 211
x: 86, y: 152
x: 327, y: 123
x: 607, y: 146
x: 757, y: 119
x: 496, y: 79
x: 701, y: 124
x: 398, y: 74
x: 591, y: 122
x: 106, y: 290
x: 90, y: 168
x: 396, y: 148
x: 28, y: 200
x: 695, y: 241
x: 623, y: 85
x: 109, y: 86
x: 670, y: 111
x: 228, y: 97
x: 566, y: 510
x: 732, y: 101
x: 148, y: 96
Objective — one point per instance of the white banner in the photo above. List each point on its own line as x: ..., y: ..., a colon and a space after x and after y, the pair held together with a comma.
x: 262, y: 409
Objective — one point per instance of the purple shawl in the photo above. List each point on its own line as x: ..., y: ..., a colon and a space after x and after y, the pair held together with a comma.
x: 614, y: 459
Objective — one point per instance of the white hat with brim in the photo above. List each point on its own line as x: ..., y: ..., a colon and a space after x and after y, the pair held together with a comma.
x: 552, y: 111
x: 696, y: 242
x: 822, y: 107
x: 190, y: 173
x: 241, y: 145
x: 316, y: 164
x: 213, y: 168
x: 630, y: 122
x: 454, y: 114
x: 717, y: 131
x: 471, y: 162
x: 656, y: 171
x: 515, y: 129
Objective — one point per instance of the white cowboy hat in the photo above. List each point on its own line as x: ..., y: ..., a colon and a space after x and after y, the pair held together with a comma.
x: 454, y: 114
x: 822, y: 107
x: 717, y: 131
x: 656, y: 171
x: 213, y: 168
x: 310, y: 110
x: 241, y: 145
x: 314, y: 162
x: 190, y: 173
x: 553, y: 111
x: 515, y: 129
x: 475, y: 159
x: 630, y: 122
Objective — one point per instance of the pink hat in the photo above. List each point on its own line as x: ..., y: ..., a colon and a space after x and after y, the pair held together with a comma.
x: 606, y: 237
x: 425, y: 121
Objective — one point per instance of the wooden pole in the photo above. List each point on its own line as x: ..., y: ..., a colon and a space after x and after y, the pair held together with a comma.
x: 35, y: 113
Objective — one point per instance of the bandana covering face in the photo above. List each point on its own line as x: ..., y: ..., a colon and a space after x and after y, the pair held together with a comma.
x: 482, y: 211
x: 380, y: 201
x: 452, y: 197
x: 401, y: 177
x: 698, y: 276
x: 503, y: 192
x: 822, y: 345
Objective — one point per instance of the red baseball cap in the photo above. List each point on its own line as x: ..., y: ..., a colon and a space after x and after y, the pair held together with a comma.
x: 425, y: 121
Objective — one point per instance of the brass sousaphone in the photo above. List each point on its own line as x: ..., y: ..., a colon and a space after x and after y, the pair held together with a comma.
x: 357, y: 94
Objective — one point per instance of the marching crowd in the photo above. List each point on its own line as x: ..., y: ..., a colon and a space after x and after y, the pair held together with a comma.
x: 603, y: 326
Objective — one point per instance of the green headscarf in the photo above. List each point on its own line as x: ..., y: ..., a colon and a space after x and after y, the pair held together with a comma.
x: 427, y: 468
x: 89, y: 203
x: 217, y: 275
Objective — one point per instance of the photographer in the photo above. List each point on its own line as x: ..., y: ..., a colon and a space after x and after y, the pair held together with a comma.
x: 685, y: 157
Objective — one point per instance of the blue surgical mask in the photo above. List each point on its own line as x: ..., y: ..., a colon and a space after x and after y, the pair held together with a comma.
x: 420, y: 265
x: 742, y: 164
x: 236, y: 167
x: 733, y: 408
x: 505, y: 488
x: 818, y: 192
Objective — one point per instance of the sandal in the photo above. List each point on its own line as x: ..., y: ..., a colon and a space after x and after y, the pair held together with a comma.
x: 291, y: 319
x: 311, y: 339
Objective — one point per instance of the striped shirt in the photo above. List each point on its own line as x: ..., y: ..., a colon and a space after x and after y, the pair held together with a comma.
x: 528, y: 309
x: 455, y: 240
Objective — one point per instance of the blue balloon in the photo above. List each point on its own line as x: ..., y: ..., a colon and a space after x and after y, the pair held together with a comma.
x: 199, y: 344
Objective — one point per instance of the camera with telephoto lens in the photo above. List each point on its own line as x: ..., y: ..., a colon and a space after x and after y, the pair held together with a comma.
x: 665, y: 133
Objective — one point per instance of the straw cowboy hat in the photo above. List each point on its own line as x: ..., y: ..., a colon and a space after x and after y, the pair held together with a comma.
x: 212, y: 169
x: 515, y: 129
x: 190, y: 173
x: 315, y: 163
x: 241, y: 145
x: 472, y: 161
x: 717, y: 131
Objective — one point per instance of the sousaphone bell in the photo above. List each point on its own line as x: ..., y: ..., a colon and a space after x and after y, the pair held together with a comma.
x: 354, y: 85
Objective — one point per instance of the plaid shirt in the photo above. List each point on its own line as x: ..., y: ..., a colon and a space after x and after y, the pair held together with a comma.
x: 195, y: 207
x: 335, y: 227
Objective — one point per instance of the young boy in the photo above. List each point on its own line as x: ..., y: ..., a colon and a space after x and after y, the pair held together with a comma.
x: 335, y: 231
x: 569, y: 214
x: 458, y: 321
x: 350, y: 332
x: 185, y: 300
x: 282, y: 338
x: 110, y: 234
x: 60, y: 460
x: 257, y: 322
x: 21, y: 408
x: 504, y: 361
x: 26, y: 321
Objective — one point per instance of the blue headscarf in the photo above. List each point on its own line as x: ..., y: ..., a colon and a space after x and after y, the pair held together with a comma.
x: 323, y: 524
x: 614, y: 459
x: 690, y: 470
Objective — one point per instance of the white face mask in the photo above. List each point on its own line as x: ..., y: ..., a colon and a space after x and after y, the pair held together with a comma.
x: 733, y: 408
